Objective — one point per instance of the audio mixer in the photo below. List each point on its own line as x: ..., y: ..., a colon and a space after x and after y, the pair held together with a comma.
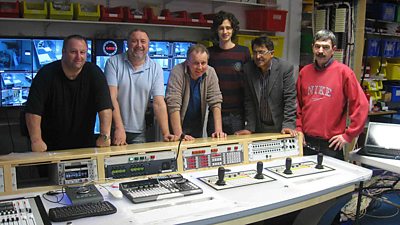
x: 23, y: 211
x: 274, y: 148
x: 158, y: 188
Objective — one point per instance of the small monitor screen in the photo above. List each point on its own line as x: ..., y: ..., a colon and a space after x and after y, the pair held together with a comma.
x: 109, y: 47
x: 179, y: 60
x: 384, y: 135
x: 15, y: 54
x: 50, y: 50
x: 181, y: 48
x: 15, y: 88
x: 101, y: 61
x: 159, y: 49
x: 166, y: 76
x: 164, y: 62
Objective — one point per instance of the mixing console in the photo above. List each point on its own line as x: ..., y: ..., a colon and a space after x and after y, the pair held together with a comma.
x: 25, y: 211
x: 158, y: 188
x: 299, y: 169
x: 201, y: 157
x: 236, y: 179
x: 271, y: 149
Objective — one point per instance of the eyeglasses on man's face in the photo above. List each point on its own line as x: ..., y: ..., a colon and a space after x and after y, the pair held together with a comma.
x: 262, y: 52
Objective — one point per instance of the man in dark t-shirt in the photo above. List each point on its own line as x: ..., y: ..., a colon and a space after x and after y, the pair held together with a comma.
x: 63, y: 101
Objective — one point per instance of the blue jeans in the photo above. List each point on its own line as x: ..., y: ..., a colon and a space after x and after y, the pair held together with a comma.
x: 231, y: 122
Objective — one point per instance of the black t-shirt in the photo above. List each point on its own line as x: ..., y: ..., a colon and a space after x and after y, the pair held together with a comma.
x: 68, y: 107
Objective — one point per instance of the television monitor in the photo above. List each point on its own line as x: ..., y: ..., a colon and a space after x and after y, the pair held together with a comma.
x: 105, y: 48
x: 165, y: 63
x: 166, y: 76
x: 49, y: 50
x: 15, y: 54
x: 15, y: 87
x: 181, y: 48
x: 159, y: 49
x: 178, y: 60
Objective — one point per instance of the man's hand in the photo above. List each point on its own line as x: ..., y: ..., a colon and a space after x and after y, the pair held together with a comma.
x: 292, y: 133
x: 337, y: 142
x: 119, y: 137
x: 170, y: 137
x: 242, y: 132
x: 38, y: 146
x: 218, y: 134
x: 103, y: 141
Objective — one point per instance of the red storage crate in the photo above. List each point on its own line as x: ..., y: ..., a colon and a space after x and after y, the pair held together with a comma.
x: 133, y: 17
x: 266, y: 19
x: 115, y: 14
x: 9, y: 9
x: 175, y: 18
x: 209, y: 19
x: 155, y: 18
x: 196, y: 19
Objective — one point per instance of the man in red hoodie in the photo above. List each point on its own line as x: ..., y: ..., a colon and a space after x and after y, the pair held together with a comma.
x: 327, y: 92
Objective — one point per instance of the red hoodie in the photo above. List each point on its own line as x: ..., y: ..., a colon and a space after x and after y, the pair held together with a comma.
x: 323, y: 96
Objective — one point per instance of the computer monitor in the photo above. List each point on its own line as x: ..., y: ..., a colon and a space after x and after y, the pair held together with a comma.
x: 105, y: 48
x: 15, y: 54
x: 48, y: 50
x: 15, y: 87
x: 180, y: 48
x: 159, y: 49
x: 165, y: 63
x: 178, y: 60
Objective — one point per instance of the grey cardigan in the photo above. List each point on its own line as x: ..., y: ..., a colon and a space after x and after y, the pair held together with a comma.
x: 178, y: 91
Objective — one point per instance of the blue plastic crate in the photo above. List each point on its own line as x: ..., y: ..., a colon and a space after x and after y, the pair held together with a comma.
x: 395, y: 90
x: 389, y: 48
x: 373, y: 47
x: 397, y: 53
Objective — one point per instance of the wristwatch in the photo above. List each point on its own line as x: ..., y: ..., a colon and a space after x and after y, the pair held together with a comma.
x: 105, y: 137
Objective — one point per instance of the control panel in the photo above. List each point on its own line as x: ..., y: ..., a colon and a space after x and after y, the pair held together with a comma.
x: 23, y: 211
x: 122, y: 166
x: 275, y: 148
x: 76, y: 171
x: 201, y: 157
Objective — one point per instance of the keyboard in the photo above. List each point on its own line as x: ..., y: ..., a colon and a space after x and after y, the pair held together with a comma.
x: 73, y: 212
x: 380, y: 152
x: 158, y: 188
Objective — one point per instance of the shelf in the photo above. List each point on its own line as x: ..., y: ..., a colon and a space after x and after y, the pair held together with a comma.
x: 383, y: 34
x: 120, y: 24
x: 381, y: 21
x: 245, y: 3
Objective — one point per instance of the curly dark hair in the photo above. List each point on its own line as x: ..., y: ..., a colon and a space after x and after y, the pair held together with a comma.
x: 219, y: 18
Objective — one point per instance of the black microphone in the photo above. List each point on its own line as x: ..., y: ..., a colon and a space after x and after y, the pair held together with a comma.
x: 181, y: 137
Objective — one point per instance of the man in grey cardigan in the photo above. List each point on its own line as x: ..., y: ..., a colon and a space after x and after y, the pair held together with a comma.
x: 192, y: 87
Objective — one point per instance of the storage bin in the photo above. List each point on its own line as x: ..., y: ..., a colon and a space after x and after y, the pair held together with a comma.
x: 397, y: 51
x: 134, y: 15
x: 175, y: 18
x: 266, y: 19
x: 373, y: 85
x: 9, y: 9
x: 393, y: 71
x: 375, y: 95
x: 373, y: 47
x: 196, y: 19
x: 34, y: 10
x: 86, y: 12
x: 389, y: 48
x: 153, y: 18
x: 395, y: 90
x: 115, y: 14
x: 61, y: 11
x: 209, y: 19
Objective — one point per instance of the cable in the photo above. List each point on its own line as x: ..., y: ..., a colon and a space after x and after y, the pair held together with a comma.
x: 55, y: 194
x: 179, y: 145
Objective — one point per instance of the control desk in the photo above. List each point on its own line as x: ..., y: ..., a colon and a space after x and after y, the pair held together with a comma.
x: 235, y: 180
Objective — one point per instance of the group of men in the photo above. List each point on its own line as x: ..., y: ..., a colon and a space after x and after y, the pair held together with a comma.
x: 240, y: 94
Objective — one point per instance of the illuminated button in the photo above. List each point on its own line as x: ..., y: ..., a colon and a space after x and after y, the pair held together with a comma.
x: 214, y: 150
x: 236, y: 147
x: 229, y: 148
x: 152, y: 157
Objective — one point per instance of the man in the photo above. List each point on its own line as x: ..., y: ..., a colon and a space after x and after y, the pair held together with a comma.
x: 327, y: 92
x: 133, y: 78
x: 192, y: 86
x: 64, y: 99
x: 270, y: 91
x: 228, y: 58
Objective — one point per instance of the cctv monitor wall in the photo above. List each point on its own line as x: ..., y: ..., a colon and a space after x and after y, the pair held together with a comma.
x: 15, y: 54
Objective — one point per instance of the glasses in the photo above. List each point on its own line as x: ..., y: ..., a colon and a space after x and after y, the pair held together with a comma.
x: 262, y: 52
